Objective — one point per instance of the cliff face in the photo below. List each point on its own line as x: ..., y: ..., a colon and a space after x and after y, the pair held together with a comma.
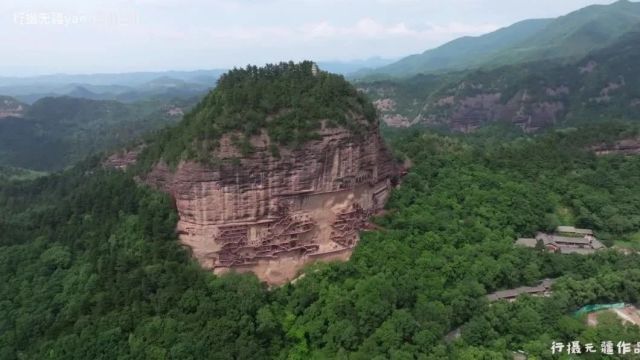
x: 272, y: 215
x: 466, y: 113
x: 622, y: 147
x: 532, y: 96
x: 10, y: 107
x: 469, y: 113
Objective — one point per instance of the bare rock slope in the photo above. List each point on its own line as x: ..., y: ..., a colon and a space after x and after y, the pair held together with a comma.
x: 532, y: 96
x: 272, y: 213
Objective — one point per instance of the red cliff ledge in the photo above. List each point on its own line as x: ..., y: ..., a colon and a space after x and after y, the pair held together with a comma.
x: 272, y: 215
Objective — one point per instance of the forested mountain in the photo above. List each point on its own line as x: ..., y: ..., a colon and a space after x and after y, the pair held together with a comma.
x: 106, y: 79
x: 462, y: 53
x: 566, y: 38
x: 289, y: 101
x: 574, y: 35
x: 10, y: 174
x: 119, y: 256
x: 279, y: 166
x: 536, y: 95
x: 56, y: 132
x: 91, y: 267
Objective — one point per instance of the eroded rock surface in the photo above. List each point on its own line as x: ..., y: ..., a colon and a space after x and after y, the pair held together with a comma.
x: 621, y: 147
x: 467, y: 113
x: 272, y: 215
x: 11, y: 108
x: 123, y: 159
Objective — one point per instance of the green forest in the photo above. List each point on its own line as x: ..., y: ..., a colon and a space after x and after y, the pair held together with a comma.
x: 288, y: 100
x: 601, y: 86
x: 57, y: 132
x: 91, y: 267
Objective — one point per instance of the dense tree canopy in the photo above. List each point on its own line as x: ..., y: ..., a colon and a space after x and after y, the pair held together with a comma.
x: 288, y: 100
x: 91, y: 267
x: 57, y: 132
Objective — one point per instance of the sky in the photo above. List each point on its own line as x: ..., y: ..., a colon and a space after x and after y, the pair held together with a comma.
x: 90, y: 36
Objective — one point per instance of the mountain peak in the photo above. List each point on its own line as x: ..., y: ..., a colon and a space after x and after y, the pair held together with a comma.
x: 289, y: 102
x: 246, y: 201
x: 567, y: 37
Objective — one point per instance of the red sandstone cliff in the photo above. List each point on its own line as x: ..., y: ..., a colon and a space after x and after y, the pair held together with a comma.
x: 272, y: 215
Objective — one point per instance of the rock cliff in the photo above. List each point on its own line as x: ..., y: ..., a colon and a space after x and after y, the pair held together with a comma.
x: 621, y: 147
x: 271, y: 215
x: 532, y: 96
x: 10, y: 107
x: 271, y: 212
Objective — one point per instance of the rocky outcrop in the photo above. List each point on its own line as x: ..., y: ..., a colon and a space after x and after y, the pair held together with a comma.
x: 531, y: 95
x: 605, y: 93
x: 588, y: 67
x: 273, y: 214
x: 123, y: 159
x: 468, y: 113
x: 621, y: 147
x: 473, y: 108
x: 10, y: 107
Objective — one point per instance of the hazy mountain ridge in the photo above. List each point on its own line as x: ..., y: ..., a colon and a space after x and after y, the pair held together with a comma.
x: 460, y: 53
x: 605, y: 84
x: 109, y: 79
x: 353, y: 67
x: 574, y: 35
x: 126, y: 87
x: 131, y: 87
x: 566, y: 38
x: 58, y: 131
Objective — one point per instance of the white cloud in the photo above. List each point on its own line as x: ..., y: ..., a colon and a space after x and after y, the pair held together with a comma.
x: 365, y: 28
x: 219, y: 33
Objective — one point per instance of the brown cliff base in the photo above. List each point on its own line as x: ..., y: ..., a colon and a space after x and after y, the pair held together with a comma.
x: 273, y: 215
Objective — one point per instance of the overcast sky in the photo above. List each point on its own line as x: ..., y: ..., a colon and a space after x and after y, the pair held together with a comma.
x: 46, y: 36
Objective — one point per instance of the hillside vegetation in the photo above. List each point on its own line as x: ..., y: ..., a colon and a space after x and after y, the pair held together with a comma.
x: 289, y: 101
x: 574, y: 35
x: 92, y: 268
x: 57, y: 132
x: 459, y: 54
x: 566, y: 38
x: 123, y: 87
x: 605, y: 84
x: 9, y: 174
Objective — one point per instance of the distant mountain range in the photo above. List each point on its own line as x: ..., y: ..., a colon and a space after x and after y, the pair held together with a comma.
x: 55, y: 132
x: 49, y: 122
x: 140, y: 86
x: 566, y: 38
x: 533, y: 74
x: 125, y: 87
x: 603, y: 85
x: 124, y: 79
x: 354, y: 66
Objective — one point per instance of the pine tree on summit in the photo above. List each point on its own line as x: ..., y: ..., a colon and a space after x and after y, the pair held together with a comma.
x: 288, y: 100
